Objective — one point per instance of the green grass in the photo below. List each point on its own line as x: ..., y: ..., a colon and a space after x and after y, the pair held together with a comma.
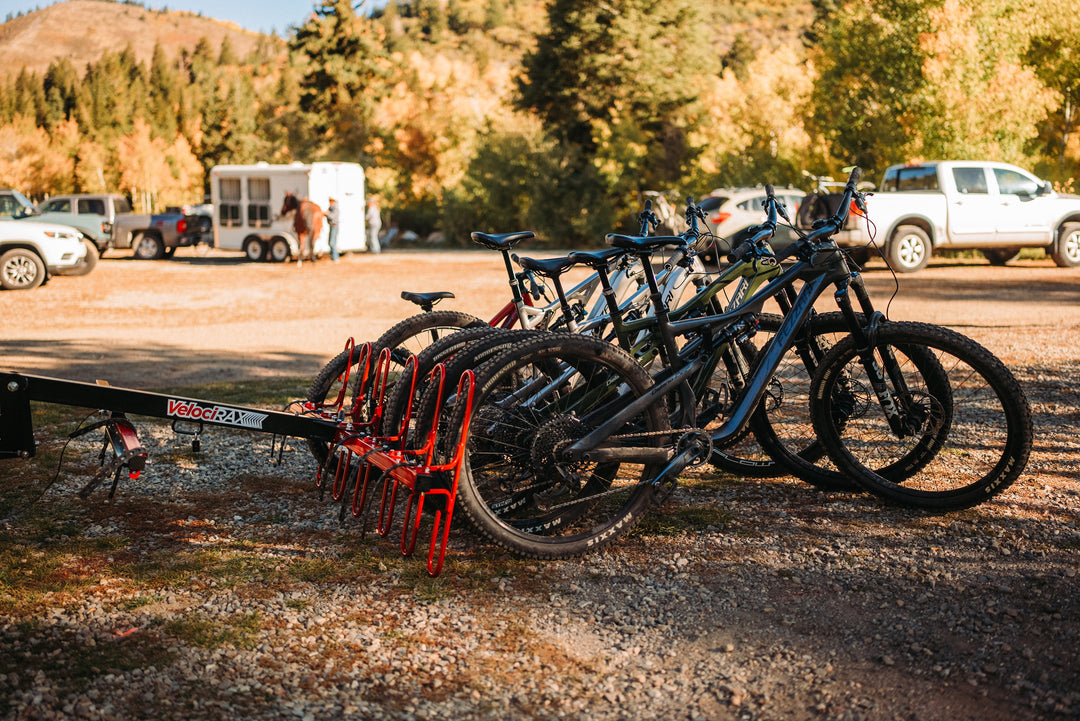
x: 683, y: 519
x: 199, y: 630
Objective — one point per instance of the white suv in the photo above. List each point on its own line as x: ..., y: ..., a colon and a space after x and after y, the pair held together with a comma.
x: 31, y: 252
x: 729, y: 210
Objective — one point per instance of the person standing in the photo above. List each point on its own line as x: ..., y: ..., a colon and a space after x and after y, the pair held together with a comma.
x: 374, y: 225
x: 332, y: 221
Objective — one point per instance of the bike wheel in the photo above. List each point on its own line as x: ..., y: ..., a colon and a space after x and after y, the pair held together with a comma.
x: 470, y: 357
x: 783, y: 426
x: 779, y: 439
x: 404, y: 339
x: 446, y: 350
x: 741, y: 455
x: 962, y: 441
x: 530, y: 402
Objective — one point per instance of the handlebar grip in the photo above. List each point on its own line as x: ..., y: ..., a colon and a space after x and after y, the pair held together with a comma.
x: 769, y: 191
x: 740, y: 253
x: 853, y: 179
x: 648, y: 204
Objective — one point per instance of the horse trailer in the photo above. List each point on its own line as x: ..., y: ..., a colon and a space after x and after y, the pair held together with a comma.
x: 248, y: 200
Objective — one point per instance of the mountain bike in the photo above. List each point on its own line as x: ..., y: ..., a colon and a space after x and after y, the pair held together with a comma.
x: 571, y: 441
x: 571, y: 310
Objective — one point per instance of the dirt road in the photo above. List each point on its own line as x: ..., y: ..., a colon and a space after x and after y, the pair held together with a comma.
x: 150, y: 324
x: 220, y: 586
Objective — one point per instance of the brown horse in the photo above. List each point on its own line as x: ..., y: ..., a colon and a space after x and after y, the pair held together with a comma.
x: 307, y: 223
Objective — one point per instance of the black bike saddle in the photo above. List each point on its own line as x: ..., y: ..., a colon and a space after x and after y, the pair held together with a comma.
x: 643, y: 243
x: 426, y: 300
x: 502, y: 241
x: 550, y: 267
x: 596, y: 259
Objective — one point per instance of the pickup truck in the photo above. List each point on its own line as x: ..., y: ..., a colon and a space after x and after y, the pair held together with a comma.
x: 107, y: 219
x: 995, y: 208
x: 31, y: 252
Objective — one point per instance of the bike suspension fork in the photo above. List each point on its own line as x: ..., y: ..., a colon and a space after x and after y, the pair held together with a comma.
x: 890, y: 392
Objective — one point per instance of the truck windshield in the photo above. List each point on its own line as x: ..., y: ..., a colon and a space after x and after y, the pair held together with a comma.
x: 914, y: 177
x: 15, y: 205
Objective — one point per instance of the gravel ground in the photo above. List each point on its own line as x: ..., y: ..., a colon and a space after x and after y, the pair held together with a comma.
x: 221, y: 586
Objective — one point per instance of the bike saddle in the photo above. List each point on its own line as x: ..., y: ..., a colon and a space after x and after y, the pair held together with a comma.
x: 502, y: 241
x: 595, y: 260
x: 643, y: 243
x: 426, y: 300
x: 551, y: 267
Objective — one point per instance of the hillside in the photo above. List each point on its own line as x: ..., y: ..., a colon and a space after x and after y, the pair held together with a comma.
x: 82, y: 30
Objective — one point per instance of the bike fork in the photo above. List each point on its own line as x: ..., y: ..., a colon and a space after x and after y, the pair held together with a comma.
x: 889, y: 398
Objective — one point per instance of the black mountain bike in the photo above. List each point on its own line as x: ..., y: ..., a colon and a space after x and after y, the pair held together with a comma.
x: 571, y: 440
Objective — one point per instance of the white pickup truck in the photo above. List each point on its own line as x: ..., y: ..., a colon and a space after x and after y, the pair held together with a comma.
x: 992, y: 207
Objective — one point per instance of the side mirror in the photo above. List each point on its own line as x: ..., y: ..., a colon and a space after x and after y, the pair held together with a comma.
x: 1045, y: 189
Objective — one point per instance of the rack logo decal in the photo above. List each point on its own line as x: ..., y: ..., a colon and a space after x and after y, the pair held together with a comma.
x: 190, y: 411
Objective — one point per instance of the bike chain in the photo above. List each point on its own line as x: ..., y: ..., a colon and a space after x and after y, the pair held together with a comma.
x: 621, y: 489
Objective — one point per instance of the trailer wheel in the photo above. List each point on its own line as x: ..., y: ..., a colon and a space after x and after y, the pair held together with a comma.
x: 254, y: 249
x: 1066, y: 251
x: 280, y: 250
x: 909, y: 249
x: 21, y: 269
x: 149, y: 246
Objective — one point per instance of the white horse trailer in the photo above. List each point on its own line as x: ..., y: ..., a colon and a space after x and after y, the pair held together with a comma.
x: 248, y: 198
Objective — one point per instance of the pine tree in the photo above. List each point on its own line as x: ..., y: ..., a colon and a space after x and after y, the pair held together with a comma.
x: 343, y: 76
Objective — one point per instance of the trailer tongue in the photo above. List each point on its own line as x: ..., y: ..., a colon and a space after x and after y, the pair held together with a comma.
x: 363, y: 463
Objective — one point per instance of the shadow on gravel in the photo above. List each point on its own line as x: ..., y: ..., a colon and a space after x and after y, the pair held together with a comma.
x: 1063, y: 290
x: 187, y: 260
x: 150, y: 366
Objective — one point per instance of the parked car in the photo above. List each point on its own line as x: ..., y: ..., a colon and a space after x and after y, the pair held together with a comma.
x: 108, y: 220
x: 16, y: 206
x: 991, y: 207
x: 730, y: 210
x: 31, y: 252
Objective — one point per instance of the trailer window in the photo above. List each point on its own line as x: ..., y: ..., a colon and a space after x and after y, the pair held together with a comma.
x: 259, y: 202
x: 229, y: 207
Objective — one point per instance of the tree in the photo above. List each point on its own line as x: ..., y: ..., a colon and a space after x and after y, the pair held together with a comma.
x: 606, y: 80
x: 907, y: 79
x: 343, y: 72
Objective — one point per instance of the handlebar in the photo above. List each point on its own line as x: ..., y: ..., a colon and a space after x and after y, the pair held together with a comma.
x: 826, y: 227
x: 761, y: 233
x: 647, y: 219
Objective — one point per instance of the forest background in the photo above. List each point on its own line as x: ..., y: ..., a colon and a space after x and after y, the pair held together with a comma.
x: 552, y: 116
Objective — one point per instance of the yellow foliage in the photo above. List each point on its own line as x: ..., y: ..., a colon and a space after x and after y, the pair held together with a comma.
x: 31, y: 162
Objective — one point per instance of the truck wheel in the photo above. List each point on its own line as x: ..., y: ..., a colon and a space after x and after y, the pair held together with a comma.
x: 1000, y: 256
x: 21, y: 269
x: 89, y: 262
x: 1066, y: 251
x: 254, y: 249
x: 909, y: 249
x: 280, y: 250
x: 149, y: 247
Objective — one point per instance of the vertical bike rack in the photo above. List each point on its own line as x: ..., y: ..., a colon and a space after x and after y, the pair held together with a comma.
x: 351, y: 425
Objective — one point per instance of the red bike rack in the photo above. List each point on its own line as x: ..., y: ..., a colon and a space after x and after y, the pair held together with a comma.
x: 373, y: 466
x: 362, y: 457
